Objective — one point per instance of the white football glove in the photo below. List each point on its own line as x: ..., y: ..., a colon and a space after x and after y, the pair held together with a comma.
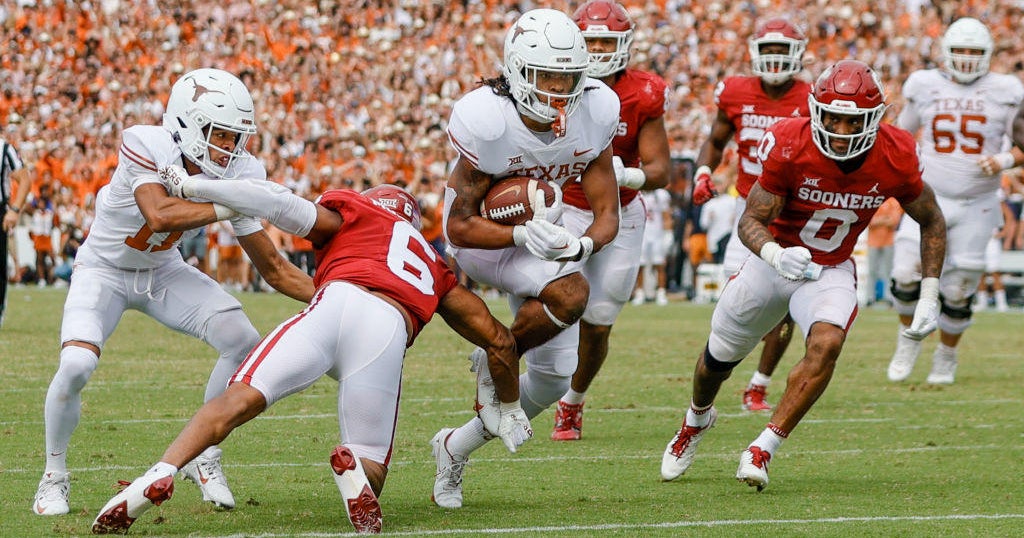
x: 513, y: 426
x: 926, y: 314
x: 549, y: 241
x: 633, y: 178
x: 174, y: 177
x: 791, y: 262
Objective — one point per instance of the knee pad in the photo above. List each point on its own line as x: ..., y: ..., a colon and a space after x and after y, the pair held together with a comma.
x: 955, y: 317
x: 231, y: 334
x: 714, y: 364
x: 538, y: 390
x: 905, y: 296
x: 76, y: 366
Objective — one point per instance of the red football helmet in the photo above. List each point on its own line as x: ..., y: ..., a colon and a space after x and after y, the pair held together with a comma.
x: 777, y: 68
x: 605, y: 19
x: 397, y: 201
x: 848, y: 88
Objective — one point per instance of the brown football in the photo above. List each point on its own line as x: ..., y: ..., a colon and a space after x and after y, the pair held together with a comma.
x: 511, y: 200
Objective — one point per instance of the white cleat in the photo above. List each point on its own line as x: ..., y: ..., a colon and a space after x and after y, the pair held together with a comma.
x: 943, y: 369
x: 448, y: 480
x: 361, y: 504
x: 123, y: 509
x: 754, y: 467
x: 903, y: 359
x: 52, y: 495
x: 207, y: 473
x: 682, y: 448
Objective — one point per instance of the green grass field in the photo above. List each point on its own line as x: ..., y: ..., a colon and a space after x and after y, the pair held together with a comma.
x: 871, y: 459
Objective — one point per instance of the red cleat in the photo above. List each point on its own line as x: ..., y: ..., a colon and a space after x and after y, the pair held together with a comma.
x: 568, y: 422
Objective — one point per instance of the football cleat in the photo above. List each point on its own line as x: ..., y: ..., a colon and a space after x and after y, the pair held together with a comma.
x: 754, y: 398
x: 683, y: 447
x: 660, y: 297
x: 52, y: 495
x: 943, y: 368
x: 361, y: 504
x: 149, y: 490
x: 568, y: 422
x: 754, y: 467
x: 448, y: 480
x: 904, y: 358
x: 207, y: 473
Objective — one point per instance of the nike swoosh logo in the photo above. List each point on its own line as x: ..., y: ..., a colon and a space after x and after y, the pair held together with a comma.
x: 578, y: 153
x: 202, y: 478
x: 39, y: 509
x: 514, y: 188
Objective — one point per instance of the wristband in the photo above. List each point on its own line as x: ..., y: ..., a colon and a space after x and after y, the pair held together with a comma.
x: 1005, y: 160
x: 586, y: 249
x: 703, y: 170
x: 930, y: 288
x: 634, y: 178
x: 519, y: 235
x: 505, y: 408
x: 769, y: 251
x: 16, y: 209
x: 223, y: 212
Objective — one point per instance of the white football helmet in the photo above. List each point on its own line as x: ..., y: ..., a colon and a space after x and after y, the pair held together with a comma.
x: 600, y: 19
x: 967, y: 33
x: 205, y: 99
x: 776, y: 69
x: 545, y: 40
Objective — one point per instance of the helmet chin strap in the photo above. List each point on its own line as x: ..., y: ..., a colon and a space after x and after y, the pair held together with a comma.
x: 557, y: 125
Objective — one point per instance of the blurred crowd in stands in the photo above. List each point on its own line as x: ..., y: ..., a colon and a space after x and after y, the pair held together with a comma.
x: 352, y: 93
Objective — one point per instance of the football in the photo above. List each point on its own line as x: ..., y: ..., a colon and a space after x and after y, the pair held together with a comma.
x: 511, y: 201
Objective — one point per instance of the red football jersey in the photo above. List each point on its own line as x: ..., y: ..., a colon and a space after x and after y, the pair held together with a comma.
x: 751, y: 113
x: 827, y: 209
x: 642, y: 96
x: 382, y: 252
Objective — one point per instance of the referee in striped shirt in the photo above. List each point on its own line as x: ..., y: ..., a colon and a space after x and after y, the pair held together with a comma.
x: 11, y: 167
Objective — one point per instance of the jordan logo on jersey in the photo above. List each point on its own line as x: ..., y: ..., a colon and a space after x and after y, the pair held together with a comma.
x: 873, y: 189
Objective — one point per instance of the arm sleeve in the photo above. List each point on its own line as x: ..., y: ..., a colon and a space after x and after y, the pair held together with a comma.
x: 265, y: 199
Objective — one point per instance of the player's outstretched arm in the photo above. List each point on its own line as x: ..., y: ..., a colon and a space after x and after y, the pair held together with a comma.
x: 264, y: 199
x: 467, y: 314
x: 280, y: 274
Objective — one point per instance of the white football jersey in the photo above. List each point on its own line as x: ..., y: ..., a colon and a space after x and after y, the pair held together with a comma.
x: 119, y: 236
x: 960, y: 123
x: 487, y: 131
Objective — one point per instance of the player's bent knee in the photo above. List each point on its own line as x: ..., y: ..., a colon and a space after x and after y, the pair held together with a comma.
x: 232, y: 334
x: 715, y: 365
x: 602, y: 314
x: 76, y: 366
x: 538, y: 390
x: 955, y: 316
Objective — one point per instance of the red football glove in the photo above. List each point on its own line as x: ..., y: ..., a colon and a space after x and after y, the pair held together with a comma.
x: 703, y: 187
